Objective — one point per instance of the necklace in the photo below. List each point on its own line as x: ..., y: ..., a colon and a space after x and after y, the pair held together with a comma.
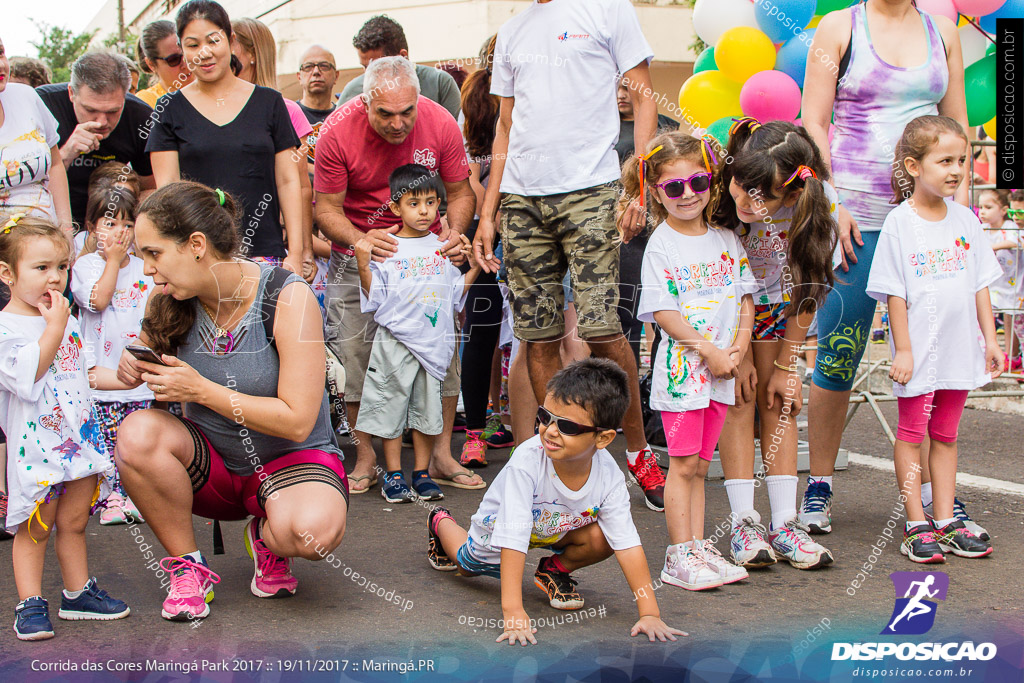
x: 223, y: 341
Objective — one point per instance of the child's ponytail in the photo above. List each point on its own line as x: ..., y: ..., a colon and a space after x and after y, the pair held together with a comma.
x: 812, y: 240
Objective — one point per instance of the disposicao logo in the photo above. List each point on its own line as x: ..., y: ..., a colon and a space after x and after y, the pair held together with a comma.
x: 914, y: 614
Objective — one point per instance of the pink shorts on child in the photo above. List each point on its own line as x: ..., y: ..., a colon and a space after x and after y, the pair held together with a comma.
x: 938, y: 411
x: 694, y: 432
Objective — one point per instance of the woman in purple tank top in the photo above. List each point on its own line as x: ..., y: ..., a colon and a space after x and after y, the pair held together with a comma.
x: 876, y: 66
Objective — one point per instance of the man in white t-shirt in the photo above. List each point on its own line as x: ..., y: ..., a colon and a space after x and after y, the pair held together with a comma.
x: 556, y: 65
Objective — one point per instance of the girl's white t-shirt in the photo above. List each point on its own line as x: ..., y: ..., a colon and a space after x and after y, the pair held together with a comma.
x: 105, y: 333
x: 528, y: 506
x: 704, y: 278
x: 28, y: 132
x: 1006, y: 291
x: 767, y: 242
x: 938, y: 268
x: 48, y: 423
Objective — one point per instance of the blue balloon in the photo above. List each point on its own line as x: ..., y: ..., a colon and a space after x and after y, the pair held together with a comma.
x: 792, y: 56
x: 782, y: 19
x: 1011, y: 9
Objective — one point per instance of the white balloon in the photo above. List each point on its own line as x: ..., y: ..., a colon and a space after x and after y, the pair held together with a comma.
x: 973, y: 44
x: 712, y: 18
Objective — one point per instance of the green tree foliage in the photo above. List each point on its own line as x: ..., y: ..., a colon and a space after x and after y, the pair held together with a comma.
x: 59, y: 48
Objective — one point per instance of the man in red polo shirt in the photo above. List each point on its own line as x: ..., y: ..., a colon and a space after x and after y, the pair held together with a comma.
x: 360, y: 144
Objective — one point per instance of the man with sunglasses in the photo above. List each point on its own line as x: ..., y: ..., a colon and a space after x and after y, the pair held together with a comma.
x: 317, y: 76
x: 556, y: 65
x: 98, y: 121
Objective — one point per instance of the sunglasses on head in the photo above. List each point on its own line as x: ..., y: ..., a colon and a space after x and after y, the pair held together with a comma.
x: 173, y: 60
x: 566, y: 427
x: 676, y: 187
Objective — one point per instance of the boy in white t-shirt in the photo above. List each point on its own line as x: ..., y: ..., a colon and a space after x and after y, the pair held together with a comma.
x: 549, y: 495
x: 413, y: 295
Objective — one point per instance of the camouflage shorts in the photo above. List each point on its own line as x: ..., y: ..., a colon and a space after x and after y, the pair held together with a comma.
x: 542, y: 237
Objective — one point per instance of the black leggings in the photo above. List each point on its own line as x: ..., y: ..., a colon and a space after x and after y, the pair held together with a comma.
x: 482, y: 329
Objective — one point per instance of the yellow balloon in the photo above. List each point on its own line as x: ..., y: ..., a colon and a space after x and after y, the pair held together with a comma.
x: 743, y: 51
x: 814, y: 21
x: 990, y: 128
x: 708, y: 96
x: 962, y: 21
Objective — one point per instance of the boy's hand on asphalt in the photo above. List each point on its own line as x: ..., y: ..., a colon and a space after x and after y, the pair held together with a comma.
x: 517, y: 626
x: 655, y: 628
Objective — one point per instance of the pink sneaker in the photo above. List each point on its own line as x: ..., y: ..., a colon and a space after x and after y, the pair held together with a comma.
x: 114, y: 512
x: 191, y: 589
x: 273, y: 577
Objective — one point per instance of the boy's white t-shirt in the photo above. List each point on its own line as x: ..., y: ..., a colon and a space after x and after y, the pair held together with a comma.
x: 50, y: 432
x: 527, y: 506
x: 1006, y: 291
x: 704, y: 278
x: 767, y: 242
x: 560, y: 61
x: 938, y: 268
x: 105, y: 333
x: 415, y: 293
x: 28, y: 133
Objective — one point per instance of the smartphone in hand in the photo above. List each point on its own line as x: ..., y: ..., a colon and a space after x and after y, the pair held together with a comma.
x: 145, y: 353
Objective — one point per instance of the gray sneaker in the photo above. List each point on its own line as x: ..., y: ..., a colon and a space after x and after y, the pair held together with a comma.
x: 960, y: 513
x: 816, y: 508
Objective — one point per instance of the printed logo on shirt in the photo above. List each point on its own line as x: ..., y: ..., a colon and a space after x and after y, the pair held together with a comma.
x: 123, y: 299
x: 565, y: 35
x: 425, y: 157
x: 703, y: 275
x: 54, y: 421
x: 420, y: 266
x: 311, y: 140
x: 935, y: 261
x: 69, y: 353
x: 549, y: 525
x: 767, y: 246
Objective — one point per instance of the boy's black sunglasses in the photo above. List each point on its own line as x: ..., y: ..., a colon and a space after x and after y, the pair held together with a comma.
x: 565, y: 426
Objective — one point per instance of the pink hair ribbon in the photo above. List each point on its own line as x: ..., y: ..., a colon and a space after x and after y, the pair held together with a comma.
x: 804, y: 172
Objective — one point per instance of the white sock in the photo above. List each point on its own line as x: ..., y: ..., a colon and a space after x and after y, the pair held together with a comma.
x: 194, y: 556
x: 926, y: 494
x: 910, y: 525
x: 71, y: 595
x: 741, y: 498
x: 782, y: 496
x: 827, y: 480
x: 942, y: 523
x: 631, y: 456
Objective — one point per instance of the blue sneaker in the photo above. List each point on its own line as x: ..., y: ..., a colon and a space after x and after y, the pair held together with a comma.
x: 816, y: 508
x: 93, y: 603
x: 425, y: 487
x: 32, y: 619
x: 395, y: 490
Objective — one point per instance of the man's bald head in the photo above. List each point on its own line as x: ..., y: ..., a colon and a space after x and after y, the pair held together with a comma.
x: 317, y: 71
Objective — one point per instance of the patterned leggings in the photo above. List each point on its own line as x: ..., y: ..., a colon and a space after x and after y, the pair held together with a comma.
x: 109, y: 416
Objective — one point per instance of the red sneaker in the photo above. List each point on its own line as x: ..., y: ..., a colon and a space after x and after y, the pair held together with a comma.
x: 646, y: 473
x: 273, y: 577
x: 473, y: 450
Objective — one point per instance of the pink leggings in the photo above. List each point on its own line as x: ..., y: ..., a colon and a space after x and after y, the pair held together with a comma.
x: 694, y: 432
x: 939, y: 411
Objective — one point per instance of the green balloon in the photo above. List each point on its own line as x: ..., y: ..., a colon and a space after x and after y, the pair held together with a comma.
x: 825, y: 6
x: 705, y: 60
x: 719, y: 130
x: 991, y: 49
x: 980, y: 89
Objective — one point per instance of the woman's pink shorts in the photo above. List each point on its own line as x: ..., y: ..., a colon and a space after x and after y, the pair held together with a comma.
x: 694, y: 432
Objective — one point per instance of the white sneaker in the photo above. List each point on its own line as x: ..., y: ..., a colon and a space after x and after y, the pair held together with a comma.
x: 748, y: 546
x: 729, y: 572
x: 793, y: 543
x: 687, y: 569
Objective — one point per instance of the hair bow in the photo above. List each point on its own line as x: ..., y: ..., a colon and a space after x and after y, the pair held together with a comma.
x: 12, y: 222
x: 803, y: 172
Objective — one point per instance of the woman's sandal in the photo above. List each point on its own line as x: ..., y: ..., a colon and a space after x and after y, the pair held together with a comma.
x: 452, y: 481
x: 353, y: 480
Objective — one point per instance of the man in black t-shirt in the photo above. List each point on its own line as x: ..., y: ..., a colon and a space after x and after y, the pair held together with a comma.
x: 317, y: 76
x: 98, y: 121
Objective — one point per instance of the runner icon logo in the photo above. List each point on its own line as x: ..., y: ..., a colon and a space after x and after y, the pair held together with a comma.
x: 916, y: 593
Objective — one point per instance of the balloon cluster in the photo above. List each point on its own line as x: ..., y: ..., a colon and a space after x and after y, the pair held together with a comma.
x: 758, y: 49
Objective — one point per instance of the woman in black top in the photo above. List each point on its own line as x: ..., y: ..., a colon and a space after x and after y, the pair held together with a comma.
x: 227, y: 133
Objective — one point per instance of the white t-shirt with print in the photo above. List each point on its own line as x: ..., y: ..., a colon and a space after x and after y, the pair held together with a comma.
x: 47, y: 422
x: 704, y: 278
x: 766, y: 243
x: 26, y: 136
x: 1006, y: 291
x: 560, y: 61
x: 938, y: 268
x: 105, y: 333
x: 415, y: 293
x: 528, y: 506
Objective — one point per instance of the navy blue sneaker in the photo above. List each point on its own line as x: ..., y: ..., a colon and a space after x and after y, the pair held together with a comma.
x: 32, y: 619
x: 92, y: 603
x: 395, y: 490
x: 425, y: 487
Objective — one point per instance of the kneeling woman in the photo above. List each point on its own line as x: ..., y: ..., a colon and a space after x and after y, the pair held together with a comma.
x: 256, y: 439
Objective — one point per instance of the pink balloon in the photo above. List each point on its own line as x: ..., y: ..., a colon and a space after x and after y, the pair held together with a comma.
x: 977, y: 8
x: 945, y: 8
x: 770, y: 96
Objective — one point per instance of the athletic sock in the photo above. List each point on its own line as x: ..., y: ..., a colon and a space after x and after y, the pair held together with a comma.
x: 631, y: 456
x: 194, y: 556
x: 827, y: 480
x: 926, y: 494
x: 782, y: 497
x: 943, y: 523
x: 910, y: 525
x: 553, y: 562
x: 73, y: 595
x: 741, y: 498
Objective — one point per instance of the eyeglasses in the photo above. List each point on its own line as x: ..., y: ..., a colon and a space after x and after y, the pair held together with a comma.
x: 1015, y: 213
x: 323, y: 66
x: 567, y: 427
x: 676, y: 188
x: 173, y: 60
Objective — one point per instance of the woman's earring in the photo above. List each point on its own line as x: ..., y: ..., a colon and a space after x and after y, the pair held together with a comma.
x: 197, y: 257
